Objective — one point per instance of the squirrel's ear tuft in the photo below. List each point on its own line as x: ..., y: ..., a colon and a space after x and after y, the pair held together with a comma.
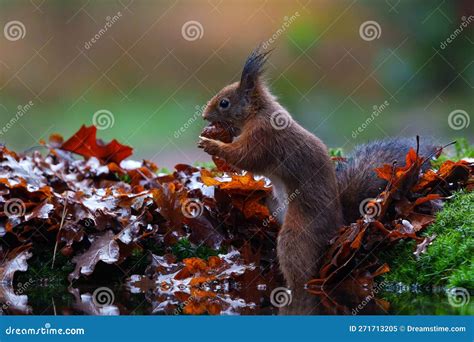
x: 253, y: 69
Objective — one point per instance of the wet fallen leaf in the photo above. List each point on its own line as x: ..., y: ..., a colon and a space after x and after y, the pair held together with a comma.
x: 14, y: 261
x: 105, y: 248
x: 85, y: 143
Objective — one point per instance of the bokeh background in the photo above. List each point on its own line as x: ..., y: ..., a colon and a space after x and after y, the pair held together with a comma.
x: 154, y: 64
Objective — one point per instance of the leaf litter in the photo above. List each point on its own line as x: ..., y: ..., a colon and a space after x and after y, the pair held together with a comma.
x: 102, y: 211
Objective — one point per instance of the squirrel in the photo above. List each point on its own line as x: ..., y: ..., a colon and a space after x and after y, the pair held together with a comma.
x: 315, y: 197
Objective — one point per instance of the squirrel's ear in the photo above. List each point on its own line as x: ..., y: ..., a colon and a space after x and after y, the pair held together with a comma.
x: 252, y: 71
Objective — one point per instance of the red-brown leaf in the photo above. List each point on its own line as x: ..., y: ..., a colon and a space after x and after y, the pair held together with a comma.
x: 85, y: 143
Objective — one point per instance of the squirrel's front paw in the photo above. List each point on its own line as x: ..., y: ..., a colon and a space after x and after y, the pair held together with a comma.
x: 210, y: 146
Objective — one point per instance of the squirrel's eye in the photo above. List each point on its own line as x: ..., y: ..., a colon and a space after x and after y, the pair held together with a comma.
x: 224, y: 103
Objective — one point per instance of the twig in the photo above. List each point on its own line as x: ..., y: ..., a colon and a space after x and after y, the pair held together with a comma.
x: 63, y: 217
x: 54, y: 306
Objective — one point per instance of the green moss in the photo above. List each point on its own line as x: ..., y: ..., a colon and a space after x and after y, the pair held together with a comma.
x: 139, y: 260
x: 423, y: 303
x: 40, y: 268
x: 336, y: 152
x: 461, y: 149
x: 449, y: 260
x: 207, y: 165
x: 164, y: 170
x: 185, y: 249
x: 124, y: 178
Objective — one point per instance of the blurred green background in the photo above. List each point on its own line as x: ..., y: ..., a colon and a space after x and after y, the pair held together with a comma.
x: 156, y: 63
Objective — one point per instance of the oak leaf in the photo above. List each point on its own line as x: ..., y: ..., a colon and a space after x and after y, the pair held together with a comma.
x: 85, y: 143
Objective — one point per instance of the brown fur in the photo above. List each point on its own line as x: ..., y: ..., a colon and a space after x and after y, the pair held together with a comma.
x: 294, y: 157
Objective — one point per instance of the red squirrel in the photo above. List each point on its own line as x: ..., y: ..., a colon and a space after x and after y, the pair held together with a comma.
x: 316, y: 198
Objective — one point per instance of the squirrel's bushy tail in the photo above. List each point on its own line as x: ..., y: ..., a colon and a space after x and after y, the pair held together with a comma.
x: 357, y: 179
